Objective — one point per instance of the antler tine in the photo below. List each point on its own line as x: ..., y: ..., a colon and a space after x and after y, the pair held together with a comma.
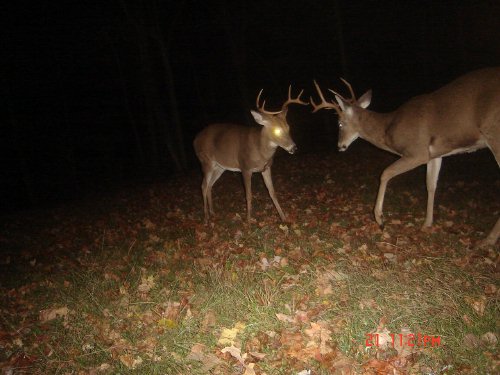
x: 258, y: 98
x: 262, y: 109
x: 340, y: 95
x: 353, y: 96
x: 324, y: 104
x: 297, y: 100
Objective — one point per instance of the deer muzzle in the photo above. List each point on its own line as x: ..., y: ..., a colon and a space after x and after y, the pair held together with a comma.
x: 292, y: 148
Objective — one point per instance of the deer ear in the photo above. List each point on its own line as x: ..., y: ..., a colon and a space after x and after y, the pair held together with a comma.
x: 259, y: 118
x: 342, y: 104
x: 365, y: 99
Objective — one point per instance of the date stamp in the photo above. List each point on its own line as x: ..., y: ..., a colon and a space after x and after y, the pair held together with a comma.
x: 402, y: 339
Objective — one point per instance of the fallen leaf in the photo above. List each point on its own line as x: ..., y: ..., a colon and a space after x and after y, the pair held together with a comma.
x: 249, y: 369
x: 471, y: 341
x: 228, y: 335
x: 489, y: 339
x: 147, y: 283
x: 258, y: 356
x: 50, y: 314
x: 321, y: 335
x: 208, y: 360
x: 127, y: 360
x: 235, y: 353
x: 209, y: 321
x: 490, y: 289
x: 284, y: 228
x: 381, y: 367
x: 284, y: 318
x: 166, y: 323
x: 478, y: 304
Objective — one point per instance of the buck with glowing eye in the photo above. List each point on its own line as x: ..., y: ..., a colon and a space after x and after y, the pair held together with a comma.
x: 463, y: 116
x: 247, y: 149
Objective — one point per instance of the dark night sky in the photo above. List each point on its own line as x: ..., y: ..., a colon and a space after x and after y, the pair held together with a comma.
x: 76, y: 77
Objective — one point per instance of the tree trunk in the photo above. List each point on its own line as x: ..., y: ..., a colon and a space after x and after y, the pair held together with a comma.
x: 126, y: 103
x: 340, y: 40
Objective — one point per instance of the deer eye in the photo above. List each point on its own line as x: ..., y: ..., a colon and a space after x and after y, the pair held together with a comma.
x: 340, y: 125
x: 277, y: 131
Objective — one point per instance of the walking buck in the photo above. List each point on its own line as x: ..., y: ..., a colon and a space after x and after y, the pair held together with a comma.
x: 234, y: 147
x: 463, y: 116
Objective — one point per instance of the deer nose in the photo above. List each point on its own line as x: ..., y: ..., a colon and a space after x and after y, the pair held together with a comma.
x: 292, y: 148
x: 342, y: 148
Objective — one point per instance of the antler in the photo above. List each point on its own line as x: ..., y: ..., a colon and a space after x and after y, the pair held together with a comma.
x: 332, y: 104
x: 262, y: 109
x: 324, y: 104
x: 353, y: 96
x: 289, y: 101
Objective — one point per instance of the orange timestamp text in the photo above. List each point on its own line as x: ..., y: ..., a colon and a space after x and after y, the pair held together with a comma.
x: 404, y: 339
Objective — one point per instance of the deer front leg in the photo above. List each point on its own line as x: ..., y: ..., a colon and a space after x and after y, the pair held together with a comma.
x: 398, y: 167
x: 266, y: 174
x: 433, y: 168
x: 492, y: 237
x: 247, y: 180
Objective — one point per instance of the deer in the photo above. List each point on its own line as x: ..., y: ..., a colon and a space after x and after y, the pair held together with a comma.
x: 246, y: 149
x: 460, y: 117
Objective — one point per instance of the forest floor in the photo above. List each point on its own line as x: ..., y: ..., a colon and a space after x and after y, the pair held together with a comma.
x: 132, y: 281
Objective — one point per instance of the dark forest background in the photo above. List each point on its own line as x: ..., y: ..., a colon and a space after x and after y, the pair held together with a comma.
x: 110, y: 93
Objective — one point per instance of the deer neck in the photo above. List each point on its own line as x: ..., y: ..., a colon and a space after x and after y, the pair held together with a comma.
x: 375, y: 126
x: 267, y: 148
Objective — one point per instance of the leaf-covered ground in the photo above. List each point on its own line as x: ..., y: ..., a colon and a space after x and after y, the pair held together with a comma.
x: 131, y: 281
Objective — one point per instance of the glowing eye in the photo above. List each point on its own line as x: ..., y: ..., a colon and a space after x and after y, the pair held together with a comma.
x: 340, y: 125
x: 277, y: 132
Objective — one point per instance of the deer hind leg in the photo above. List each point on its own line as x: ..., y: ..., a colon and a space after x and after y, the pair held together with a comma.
x: 433, y: 168
x: 210, y: 175
x: 494, y: 145
x: 216, y: 173
x: 247, y: 181
x: 398, y: 167
x: 266, y: 174
x: 207, y: 174
x: 492, y: 238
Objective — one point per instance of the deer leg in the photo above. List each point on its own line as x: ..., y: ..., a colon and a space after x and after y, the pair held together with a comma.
x: 398, y: 167
x: 205, y: 187
x: 247, y: 180
x: 266, y: 174
x: 493, y: 143
x: 433, y: 168
x: 494, y: 146
x: 492, y: 237
x: 216, y: 173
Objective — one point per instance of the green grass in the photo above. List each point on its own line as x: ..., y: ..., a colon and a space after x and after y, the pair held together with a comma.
x: 145, y: 281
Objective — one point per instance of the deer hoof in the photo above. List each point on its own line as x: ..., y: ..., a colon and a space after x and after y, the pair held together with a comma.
x: 484, y: 243
x: 425, y: 228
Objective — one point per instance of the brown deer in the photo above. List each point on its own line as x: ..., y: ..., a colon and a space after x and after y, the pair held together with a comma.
x: 463, y: 116
x: 246, y: 149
